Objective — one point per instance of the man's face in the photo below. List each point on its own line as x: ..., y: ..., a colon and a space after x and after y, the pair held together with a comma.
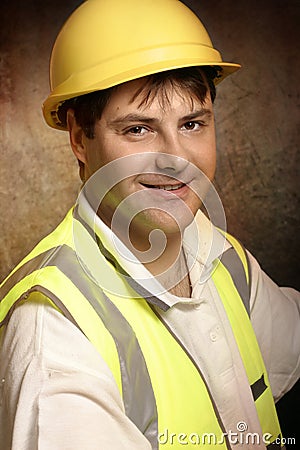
x: 174, y: 133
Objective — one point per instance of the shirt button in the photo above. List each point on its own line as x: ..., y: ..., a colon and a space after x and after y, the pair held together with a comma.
x: 198, y: 302
x: 215, y: 333
x: 213, y: 336
x: 197, y: 305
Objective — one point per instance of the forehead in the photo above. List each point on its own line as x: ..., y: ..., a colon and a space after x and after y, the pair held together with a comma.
x: 140, y: 95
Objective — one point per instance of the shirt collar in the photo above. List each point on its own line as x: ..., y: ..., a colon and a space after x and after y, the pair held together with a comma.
x: 202, y: 243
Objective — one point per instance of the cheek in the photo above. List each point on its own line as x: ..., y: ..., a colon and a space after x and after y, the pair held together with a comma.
x: 109, y: 149
x: 212, y: 163
x: 205, y: 157
x: 99, y: 154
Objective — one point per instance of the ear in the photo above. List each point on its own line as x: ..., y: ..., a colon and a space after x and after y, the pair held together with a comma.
x: 76, y: 134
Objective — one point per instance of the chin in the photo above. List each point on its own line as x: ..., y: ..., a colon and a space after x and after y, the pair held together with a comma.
x: 160, y: 220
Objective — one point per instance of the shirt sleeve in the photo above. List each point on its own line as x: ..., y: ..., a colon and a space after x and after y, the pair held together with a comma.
x: 275, y: 315
x: 57, y: 391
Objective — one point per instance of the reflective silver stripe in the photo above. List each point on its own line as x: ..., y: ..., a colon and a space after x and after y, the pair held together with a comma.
x: 132, y: 283
x: 30, y: 266
x: 48, y: 294
x: 138, y: 395
x: 258, y: 387
x: 144, y: 293
x: 189, y: 355
x: 231, y: 260
x: 27, y: 268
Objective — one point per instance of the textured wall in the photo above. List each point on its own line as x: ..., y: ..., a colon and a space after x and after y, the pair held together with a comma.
x: 256, y: 113
x: 38, y: 175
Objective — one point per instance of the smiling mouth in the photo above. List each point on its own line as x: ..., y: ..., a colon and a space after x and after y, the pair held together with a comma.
x: 165, y: 187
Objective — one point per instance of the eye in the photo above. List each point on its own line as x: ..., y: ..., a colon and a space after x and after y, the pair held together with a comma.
x: 192, y: 125
x: 137, y: 130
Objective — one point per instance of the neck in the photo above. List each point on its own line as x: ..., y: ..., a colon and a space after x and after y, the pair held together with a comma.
x: 170, y: 267
x: 162, y: 255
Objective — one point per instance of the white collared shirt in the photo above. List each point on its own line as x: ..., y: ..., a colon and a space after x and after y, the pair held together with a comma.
x: 58, y: 393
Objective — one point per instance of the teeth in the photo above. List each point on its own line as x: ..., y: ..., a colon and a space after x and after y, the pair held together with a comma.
x: 170, y: 188
x: 166, y: 187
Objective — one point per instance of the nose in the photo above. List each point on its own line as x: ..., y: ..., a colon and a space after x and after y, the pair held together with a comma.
x: 170, y: 163
x: 171, y: 155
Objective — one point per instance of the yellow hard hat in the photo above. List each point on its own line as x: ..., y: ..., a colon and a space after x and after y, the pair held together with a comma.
x: 108, y: 42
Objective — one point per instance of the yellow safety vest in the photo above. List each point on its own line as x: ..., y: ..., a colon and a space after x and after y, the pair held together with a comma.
x: 163, y: 389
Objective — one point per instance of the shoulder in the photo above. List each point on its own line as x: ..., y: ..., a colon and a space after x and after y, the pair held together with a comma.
x: 265, y: 290
x: 37, y: 330
x: 41, y: 351
x: 54, y: 381
x: 46, y: 365
x: 275, y: 316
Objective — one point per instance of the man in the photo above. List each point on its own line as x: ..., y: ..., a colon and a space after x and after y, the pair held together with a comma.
x: 138, y: 324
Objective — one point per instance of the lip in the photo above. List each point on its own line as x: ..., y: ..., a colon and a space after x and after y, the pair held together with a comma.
x: 176, y: 188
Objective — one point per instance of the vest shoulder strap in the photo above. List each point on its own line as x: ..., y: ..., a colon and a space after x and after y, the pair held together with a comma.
x: 236, y: 262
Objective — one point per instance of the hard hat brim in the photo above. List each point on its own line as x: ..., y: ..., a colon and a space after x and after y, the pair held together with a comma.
x: 160, y: 60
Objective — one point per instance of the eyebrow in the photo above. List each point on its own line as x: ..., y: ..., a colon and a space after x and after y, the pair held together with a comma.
x: 198, y: 113
x: 139, y: 117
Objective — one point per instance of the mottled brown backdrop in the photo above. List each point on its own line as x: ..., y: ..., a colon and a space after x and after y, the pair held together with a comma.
x: 257, y: 118
x: 256, y: 112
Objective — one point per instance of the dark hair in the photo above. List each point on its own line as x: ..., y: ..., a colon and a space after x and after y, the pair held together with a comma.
x: 197, y: 81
